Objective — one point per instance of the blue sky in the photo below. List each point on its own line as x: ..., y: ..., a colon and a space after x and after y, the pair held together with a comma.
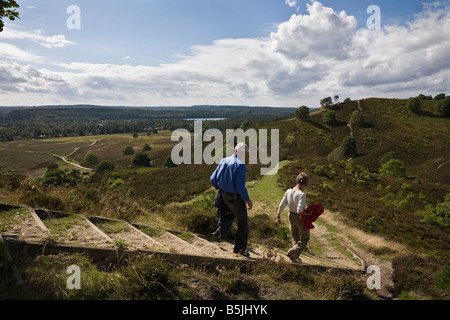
x: 245, y: 52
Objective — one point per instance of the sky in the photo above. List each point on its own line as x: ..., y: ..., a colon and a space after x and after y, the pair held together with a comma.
x: 279, y: 53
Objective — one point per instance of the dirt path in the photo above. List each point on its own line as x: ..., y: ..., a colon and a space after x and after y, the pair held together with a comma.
x: 361, y: 243
x: 72, y: 163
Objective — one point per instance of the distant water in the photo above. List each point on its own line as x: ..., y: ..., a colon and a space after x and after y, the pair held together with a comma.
x: 205, y: 119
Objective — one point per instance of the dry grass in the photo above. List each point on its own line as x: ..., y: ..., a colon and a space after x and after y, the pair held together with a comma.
x: 368, y: 241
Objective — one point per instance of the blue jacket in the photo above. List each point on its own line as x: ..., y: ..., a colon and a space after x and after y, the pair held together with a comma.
x: 229, y: 176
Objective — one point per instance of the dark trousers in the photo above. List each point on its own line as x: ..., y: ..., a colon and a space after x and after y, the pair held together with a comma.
x: 238, y: 208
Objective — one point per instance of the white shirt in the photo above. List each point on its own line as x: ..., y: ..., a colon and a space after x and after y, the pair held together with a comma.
x: 295, y: 199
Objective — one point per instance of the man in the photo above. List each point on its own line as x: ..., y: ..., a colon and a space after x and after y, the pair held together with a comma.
x: 229, y: 179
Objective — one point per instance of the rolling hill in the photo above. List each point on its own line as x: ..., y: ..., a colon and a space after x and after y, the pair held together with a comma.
x: 406, y: 211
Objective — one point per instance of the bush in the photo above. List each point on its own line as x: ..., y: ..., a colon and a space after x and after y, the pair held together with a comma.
x: 440, y: 96
x: 58, y: 177
x: 348, y: 145
x: 104, y: 166
x: 329, y: 118
x: 168, y: 163
x: 414, y: 104
x: 386, y: 157
x: 302, y: 113
x: 140, y: 159
x: 90, y: 157
x: 438, y: 215
x: 356, y: 118
x: 320, y: 171
x: 128, y: 150
x: 393, y: 168
x: 442, y: 108
x: 146, y: 147
x: 199, y: 221
x: 442, y: 280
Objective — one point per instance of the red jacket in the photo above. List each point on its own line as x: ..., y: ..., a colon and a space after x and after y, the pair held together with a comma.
x: 316, y: 210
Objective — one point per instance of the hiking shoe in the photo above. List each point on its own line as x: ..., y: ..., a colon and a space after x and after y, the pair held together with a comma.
x: 294, y: 260
x: 243, y: 253
x: 216, y: 235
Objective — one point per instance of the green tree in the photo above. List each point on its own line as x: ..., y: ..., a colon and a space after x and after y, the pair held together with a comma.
x: 336, y: 99
x: 58, y: 177
x: 8, y: 10
x: 302, y: 113
x: 105, y: 165
x: 90, y: 157
x: 438, y: 215
x: 414, y: 104
x: 440, y: 96
x: 135, y: 135
x: 146, y: 147
x: 326, y: 102
x: 442, y: 108
x: 128, y: 150
x: 356, y: 118
x: 393, y: 168
x: 348, y: 146
x: 140, y: 159
x: 330, y: 118
x: 168, y: 163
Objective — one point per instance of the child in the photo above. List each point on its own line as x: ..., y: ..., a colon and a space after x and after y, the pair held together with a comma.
x: 295, y: 199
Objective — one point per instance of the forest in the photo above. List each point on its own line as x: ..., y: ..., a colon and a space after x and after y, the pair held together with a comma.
x: 18, y: 123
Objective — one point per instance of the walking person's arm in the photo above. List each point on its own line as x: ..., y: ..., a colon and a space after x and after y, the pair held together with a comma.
x: 281, y: 206
x: 240, y: 186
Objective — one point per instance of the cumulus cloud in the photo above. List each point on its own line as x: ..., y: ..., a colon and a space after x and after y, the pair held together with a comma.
x: 322, y: 33
x: 313, y: 55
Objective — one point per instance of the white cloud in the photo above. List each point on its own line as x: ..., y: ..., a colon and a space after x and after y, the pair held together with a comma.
x: 322, y: 33
x: 291, y: 3
x: 310, y: 56
x: 55, y: 41
x: 12, y: 52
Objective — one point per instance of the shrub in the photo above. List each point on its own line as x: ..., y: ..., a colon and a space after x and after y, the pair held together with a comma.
x: 386, y: 157
x: 168, y: 163
x: 357, y: 171
x: 140, y: 159
x: 199, y: 221
x: 128, y: 150
x: 442, y: 108
x: 414, y: 104
x: 438, y: 215
x: 90, y: 157
x: 104, y: 165
x: 393, y: 168
x: 58, y: 177
x: 440, y: 96
x: 442, y: 280
x: 356, y: 118
x: 302, y: 113
x: 348, y: 145
x: 146, y: 147
x: 320, y: 171
x: 330, y: 118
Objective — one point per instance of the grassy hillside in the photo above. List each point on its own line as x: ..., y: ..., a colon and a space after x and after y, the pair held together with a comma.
x: 411, y: 210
